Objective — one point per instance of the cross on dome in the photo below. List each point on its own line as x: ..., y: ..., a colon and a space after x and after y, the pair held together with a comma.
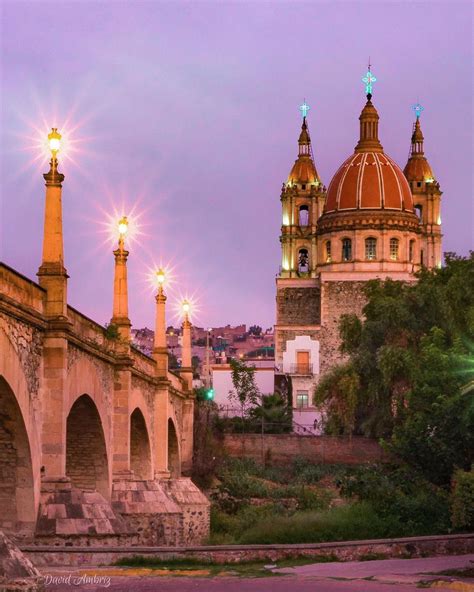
x: 304, y: 108
x: 417, y: 108
x: 368, y: 80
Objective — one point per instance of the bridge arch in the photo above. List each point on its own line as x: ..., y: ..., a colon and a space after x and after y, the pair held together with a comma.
x: 174, y: 456
x: 140, y: 446
x: 19, y: 446
x: 86, y: 451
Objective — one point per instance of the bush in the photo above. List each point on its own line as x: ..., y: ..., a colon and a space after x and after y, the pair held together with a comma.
x: 400, y: 494
x: 462, y: 500
x: 358, y: 521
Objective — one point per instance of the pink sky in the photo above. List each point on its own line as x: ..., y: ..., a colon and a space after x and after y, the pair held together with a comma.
x: 189, y: 112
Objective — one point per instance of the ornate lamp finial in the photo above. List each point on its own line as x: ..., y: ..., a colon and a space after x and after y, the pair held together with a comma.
x: 368, y: 80
x: 304, y: 108
x: 417, y: 108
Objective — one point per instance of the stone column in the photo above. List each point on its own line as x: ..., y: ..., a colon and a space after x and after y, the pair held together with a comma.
x: 120, y: 309
x: 160, y: 430
x: 160, y: 350
x: 53, y: 278
x: 186, y: 363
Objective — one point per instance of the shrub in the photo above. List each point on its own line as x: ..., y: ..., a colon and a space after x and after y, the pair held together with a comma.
x: 462, y: 500
x: 358, y: 521
x: 400, y: 494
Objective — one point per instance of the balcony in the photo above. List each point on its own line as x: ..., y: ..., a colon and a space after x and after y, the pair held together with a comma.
x: 301, y: 369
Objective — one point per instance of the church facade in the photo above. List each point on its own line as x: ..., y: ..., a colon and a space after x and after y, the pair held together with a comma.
x: 373, y: 221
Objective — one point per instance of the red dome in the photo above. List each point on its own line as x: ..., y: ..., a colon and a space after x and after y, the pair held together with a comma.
x: 369, y: 180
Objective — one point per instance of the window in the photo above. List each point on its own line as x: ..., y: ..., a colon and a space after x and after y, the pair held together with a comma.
x: 419, y: 212
x: 302, y: 399
x: 422, y: 257
x: 303, y: 216
x: 411, y: 251
x: 303, y: 261
x: 370, y: 248
x: 346, y: 249
x: 394, y: 249
x: 303, y: 186
x: 328, y: 251
x: 418, y: 184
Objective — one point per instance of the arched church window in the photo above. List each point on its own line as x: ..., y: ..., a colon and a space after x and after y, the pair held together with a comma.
x: 419, y: 212
x: 328, y: 251
x: 303, y: 216
x: 411, y: 250
x: 394, y: 249
x: 303, y: 261
x: 371, y: 248
x: 346, y: 249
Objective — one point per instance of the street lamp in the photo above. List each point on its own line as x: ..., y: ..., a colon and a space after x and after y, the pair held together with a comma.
x: 186, y: 307
x: 160, y: 277
x: 54, y: 141
x: 122, y: 230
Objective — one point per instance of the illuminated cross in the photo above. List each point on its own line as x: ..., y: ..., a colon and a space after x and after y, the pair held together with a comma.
x: 304, y: 108
x: 368, y: 80
x: 417, y: 108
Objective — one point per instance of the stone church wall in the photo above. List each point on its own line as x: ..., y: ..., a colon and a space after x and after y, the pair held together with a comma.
x: 298, y: 306
x: 337, y: 299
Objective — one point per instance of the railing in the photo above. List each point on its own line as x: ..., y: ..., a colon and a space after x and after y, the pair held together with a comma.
x: 304, y: 369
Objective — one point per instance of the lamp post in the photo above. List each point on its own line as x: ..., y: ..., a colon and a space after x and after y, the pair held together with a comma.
x: 52, y: 273
x: 120, y: 308
x: 186, y: 363
x: 160, y: 349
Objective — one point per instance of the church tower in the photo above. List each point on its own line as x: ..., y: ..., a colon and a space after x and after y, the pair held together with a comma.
x: 426, y: 196
x: 298, y: 293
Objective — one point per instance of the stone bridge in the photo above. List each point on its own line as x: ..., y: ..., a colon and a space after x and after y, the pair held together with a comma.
x: 94, y: 436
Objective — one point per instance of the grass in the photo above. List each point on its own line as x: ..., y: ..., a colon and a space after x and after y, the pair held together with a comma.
x: 211, y: 568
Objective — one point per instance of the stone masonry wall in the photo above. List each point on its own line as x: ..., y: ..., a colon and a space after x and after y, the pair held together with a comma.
x: 284, y: 448
x: 298, y: 306
x: 337, y: 299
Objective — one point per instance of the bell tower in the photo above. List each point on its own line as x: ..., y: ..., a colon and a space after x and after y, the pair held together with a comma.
x: 426, y: 196
x: 298, y: 292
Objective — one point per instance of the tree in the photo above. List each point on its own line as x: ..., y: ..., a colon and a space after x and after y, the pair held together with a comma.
x: 273, y: 414
x: 255, y: 330
x: 245, y: 392
x: 408, y: 360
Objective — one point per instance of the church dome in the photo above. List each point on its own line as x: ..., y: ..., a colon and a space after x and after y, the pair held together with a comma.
x: 304, y: 170
x: 369, y: 179
x: 418, y: 168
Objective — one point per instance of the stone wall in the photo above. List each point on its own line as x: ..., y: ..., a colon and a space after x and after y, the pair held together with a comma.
x: 283, y: 448
x: 298, y: 306
x: 402, y: 548
x: 337, y: 299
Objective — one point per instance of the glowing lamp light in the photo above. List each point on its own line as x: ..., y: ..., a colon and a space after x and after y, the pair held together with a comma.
x: 429, y: 180
x: 186, y: 307
x: 123, y: 226
x: 160, y: 277
x: 54, y: 140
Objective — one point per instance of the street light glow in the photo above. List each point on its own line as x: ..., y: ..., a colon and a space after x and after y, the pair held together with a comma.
x: 54, y: 141
x: 123, y: 226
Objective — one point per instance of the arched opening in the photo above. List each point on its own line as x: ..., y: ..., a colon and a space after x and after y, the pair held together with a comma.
x: 86, y: 453
x: 303, y: 216
x: 174, y: 465
x: 140, y: 453
x: 411, y: 251
x: 394, y: 244
x: 419, y: 212
x: 17, y: 502
x: 303, y: 261
x: 371, y: 248
x: 328, y: 252
x: 346, y: 249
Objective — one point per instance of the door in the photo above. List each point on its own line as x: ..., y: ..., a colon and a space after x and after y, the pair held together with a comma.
x: 302, y: 362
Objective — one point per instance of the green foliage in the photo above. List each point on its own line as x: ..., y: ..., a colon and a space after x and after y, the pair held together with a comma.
x: 245, y: 392
x: 275, y: 414
x: 400, y: 496
x: 409, y: 359
x: 462, y: 500
x: 357, y: 521
x: 207, y: 452
x: 112, y: 332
